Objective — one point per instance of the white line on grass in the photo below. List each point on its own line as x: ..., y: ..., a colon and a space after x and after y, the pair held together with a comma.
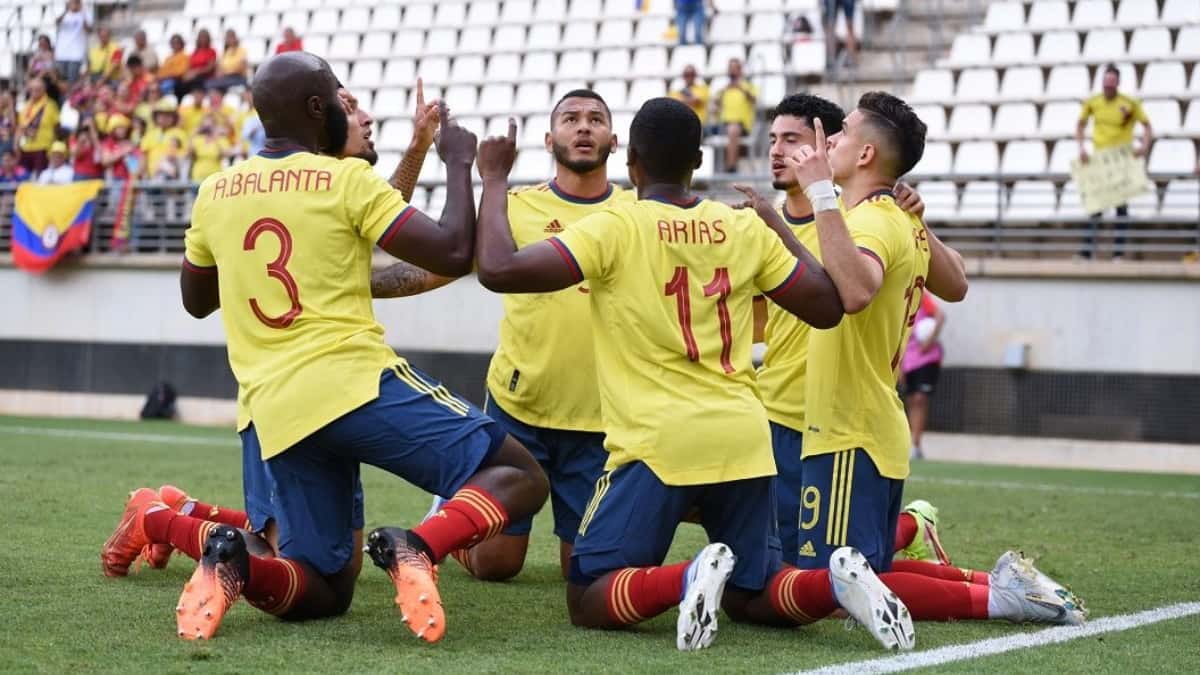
x: 120, y: 436
x: 974, y: 650
x: 1049, y: 487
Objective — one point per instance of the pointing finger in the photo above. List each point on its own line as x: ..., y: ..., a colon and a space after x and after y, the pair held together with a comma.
x: 512, y: 130
x: 420, y: 94
x: 820, y: 130
x: 443, y: 114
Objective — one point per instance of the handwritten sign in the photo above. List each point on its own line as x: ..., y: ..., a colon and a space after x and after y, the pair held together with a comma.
x: 1110, y: 178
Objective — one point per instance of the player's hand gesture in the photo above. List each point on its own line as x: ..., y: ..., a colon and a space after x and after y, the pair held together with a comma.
x: 497, y: 153
x: 811, y: 164
x: 455, y: 144
x: 909, y: 199
x: 753, y: 200
x: 425, y: 120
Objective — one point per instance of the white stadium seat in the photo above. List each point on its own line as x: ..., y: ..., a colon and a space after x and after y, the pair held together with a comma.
x: 545, y: 36
x: 934, y: 117
x: 366, y: 74
x: 1093, y: 14
x: 265, y: 25
x: 435, y: 69
x: 765, y: 27
x: 1148, y: 44
x: 727, y: 27
x: 645, y: 89
x: 932, y: 86
x: 538, y: 66
x: 391, y: 102
x: 1031, y: 200
x: 579, y: 34
x: 1058, y: 47
x: 484, y: 13
x: 450, y: 14
x: 935, y: 161
x: 766, y: 57
x: 721, y: 55
x: 1164, y: 116
x: 1132, y: 13
x: 463, y: 99
x: 649, y: 61
x: 516, y: 11
x: 376, y: 46
x: 614, y: 93
x: 1024, y: 158
x: 1015, y: 120
x: 1187, y: 45
x: 1163, y: 79
x: 971, y: 49
x: 575, y: 64
x: 587, y: 11
x: 418, y: 16
x: 970, y: 121
x: 401, y: 72
x: 344, y: 46
x: 1181, y: 199
x: 977, y: 84
x: 476, y: 39
x: 941, y: 199
x: 1013, y: 48
x: 1180, y: 12
x: 324, y: 20
x: 1104, y: 46
x: 441, y: 42
x: 981, y: 201
x: 386, y: 17
x: 532, y: 97
x: 1068, y: 82
x: 1194, y: 83
x: 1191, y: 123
x: 297, y: 20
x: 808, y: 58
x: 976, y: 157
x: 1048, y: 15
x: 1065, y: 152
x: 1059, y: 119
x: 684, y: 55
x: 1002, y: 16
x: 616, y: 33
x: 509, y: 39
x: 612, y: 63
x: 467, y: 69
x: 1022, y: 83
x: 355, y: 19
x: 532, y: 166
x: 650, y: 30
x: 1172, y: 156
x: 503, y: 68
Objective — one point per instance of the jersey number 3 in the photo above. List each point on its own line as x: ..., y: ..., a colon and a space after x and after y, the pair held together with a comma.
x: 276, y: 269
x: 721, y: 287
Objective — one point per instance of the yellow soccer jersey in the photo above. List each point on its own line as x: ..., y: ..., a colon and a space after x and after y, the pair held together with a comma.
x: 291, y: 234
x: 672, y: 289
x: 1113, y: 125
x: 851, y: 399
x: 781, y: 376
x: 544, y: 370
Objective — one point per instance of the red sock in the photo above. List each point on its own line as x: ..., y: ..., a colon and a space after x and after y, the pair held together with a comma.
x: 185, y: 533
x: 639, y: 593
x: 932, y: 599
x: 906, y: 530
x: 471, y: 516
x: 216, y: 514
x: 274, y: 584
x: 803, y: 596
x: 947, y: 572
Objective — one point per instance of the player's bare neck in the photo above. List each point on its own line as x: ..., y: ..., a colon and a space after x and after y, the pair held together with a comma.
x: 590, y: 185
x: 283, y: 143
x: 796, y: 205
x: 862, y: 185
x: 672, y: 192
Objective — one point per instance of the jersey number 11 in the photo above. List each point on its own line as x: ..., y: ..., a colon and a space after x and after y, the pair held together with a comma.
x: 721, y: 287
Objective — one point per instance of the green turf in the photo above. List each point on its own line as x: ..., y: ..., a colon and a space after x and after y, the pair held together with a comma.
x: 62, y: 496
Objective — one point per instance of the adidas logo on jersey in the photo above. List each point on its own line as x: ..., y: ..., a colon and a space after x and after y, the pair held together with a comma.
x: 554, y: 227
x: 807, y: 550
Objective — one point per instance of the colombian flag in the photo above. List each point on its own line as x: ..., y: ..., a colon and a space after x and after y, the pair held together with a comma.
x: 50, y: 221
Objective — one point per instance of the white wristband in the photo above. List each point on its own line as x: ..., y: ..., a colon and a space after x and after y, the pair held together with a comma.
x: 822, y: 196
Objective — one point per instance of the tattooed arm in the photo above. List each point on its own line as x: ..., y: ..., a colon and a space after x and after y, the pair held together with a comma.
x: 404, y: 279
x: 425, y: 124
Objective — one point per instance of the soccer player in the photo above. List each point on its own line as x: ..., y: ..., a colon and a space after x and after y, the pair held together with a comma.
x: 325, y: 391
x: 855, y: 444
x: 672, y: 279
x: 541, y: 382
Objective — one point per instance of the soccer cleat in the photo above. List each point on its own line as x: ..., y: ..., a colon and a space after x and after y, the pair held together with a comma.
x: 434, y: 507
x: 703, y: 585
x: 1020, y: 592
x: 415, y: 579
x: 868, y: 601
x: 128, y: 540
x: 215, y: 585
x: 925, y: 546
x: 158, y: 555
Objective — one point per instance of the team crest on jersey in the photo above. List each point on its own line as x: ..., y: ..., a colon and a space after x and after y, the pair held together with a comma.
x: 554, y: 227
x: 807, y: 550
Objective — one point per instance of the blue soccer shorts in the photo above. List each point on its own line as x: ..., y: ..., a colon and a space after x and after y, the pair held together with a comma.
x: 787, y: 444
x: 632, y: 516
x: 845, y: 502
x: 572, y: 460
x: 416, y: 429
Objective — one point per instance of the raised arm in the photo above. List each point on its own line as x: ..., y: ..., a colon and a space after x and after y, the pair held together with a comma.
x: 404, y: 279
x: 947, y: 276
x: 425, y: 124
x: 538, y: 268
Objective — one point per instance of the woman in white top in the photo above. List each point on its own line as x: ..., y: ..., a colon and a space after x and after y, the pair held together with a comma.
x: 70, y: 48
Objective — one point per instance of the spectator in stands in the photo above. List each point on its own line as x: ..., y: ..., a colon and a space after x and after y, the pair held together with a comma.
x: 1115, y: 114
x: 694, y: 94
x: 692, y: 13
x: 191, y: 112
x: 59, y: 172
x: 42, y: 61
x: 10, y: 171
x: 145, y: 52
x: 170, y: 162
x: 38, y: 121
x: 105, y: 59
x: 86, y: 153
x: 736, y: 112
x: 118, y: 154
x: 233, y: 69
x: 224, y: 113
x: 138, y: 78
x: 202, y: 65
x: 291, y: 42
x: 174, y: 67
x: 70, y: 49
x: 829, y: 13
x: 209, y: 148
x: 158, y: 138
x: 8, y: 120
x: 921, y: 367
x: 254, y: 136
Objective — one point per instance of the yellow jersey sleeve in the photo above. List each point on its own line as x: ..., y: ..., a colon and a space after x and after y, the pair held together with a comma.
x: 196, y: 251
x: 376, y: 209
x: 1139, y: 113
x: 591, y: 247
x: 1085, y: 113
x: 873, y: 236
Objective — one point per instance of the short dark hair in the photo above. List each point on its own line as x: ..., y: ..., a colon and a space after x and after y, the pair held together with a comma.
x: 665, y: 134
x: 134, y: 61
x: 1112, y: 68
x: 811, y: 107
x: 900, y: 127
x: 581, y: 93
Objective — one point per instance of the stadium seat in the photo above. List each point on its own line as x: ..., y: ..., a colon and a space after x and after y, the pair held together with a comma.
x: 645, y: 89
x: 503, y: 68
x: 765, y: 27
x: 1004, y: 16
x: 981, y: 201
x: 727, y: 27
x: 971, y: 49
x: 1058, y: 47
x: 1180, y: 13
x: 467, y: 69
x: 587, y: 11
x: 1069, y: 204
x: 219, y: 8
x: 317, y: 44
x: 1181, y: 200
x: 476, y: 39
x: 395, y: 134
x: 1175, y: 156
x: 1013, y: 48
x: 418, y: 16
x: 1164, y: 116
x: 532, y: 97
x: 575, y: 64
x: 721, y: 55
x: 969, y: 121
x: 366, y: 74
x: 621, y: 122
x: 538, y: 66
x: 532, y: 166
x: 434, y: 69
x: 265, y: 25
x: 376, y: 46
x: 545, y: 36
x: 324, y: 20
x: 977, y: 84
x: 941, y: 199
x: 509, y: 39
x: 1093, y: 14
x: 197, y: 8
x: 1104, y: 46
x: 441, y: 42
x: 611, y: 63
x: 976, y: 157
x: 450, y: 14
x: 386, y: 17
x: 1022, y: 83
x: 1024, y: 158
x: 1065, y: 152
x: 463, y: 99
x: 297, y: 20
x: 614, y: 93
x: 483, y: 13
x: 407, y: 43
x: 616, y: 33
x: 256, y: 49
x: 1162, y: 79
x: 1191, y: 122
x: 766, y: 57
x: 1034, y: 200
x: 280, y: 5
x: 1145, y: 204
x: 1059, y: 119
x: 355, y: 20
x: 649, y: 61
x: 1048, y: 15
x: 932, y: 86
x: 650, y: 30
x: 808, y: 58
x: 1149, y: 44
x: 935, y: 161
x: 579, y: 34
x: 391, y: 102
x: 498, y: 125
x: 934, y: 117
x: 1187, y: 45
x: 344, y: 46
x: 156, y: 27
x: 238, y: 23
x: 1194, y: 83
x: 685, y: 55
x: 1015, y: 120
x: 1132, y: 13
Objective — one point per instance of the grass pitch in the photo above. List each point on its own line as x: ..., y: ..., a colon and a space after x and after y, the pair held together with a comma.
x: 1124, y: 542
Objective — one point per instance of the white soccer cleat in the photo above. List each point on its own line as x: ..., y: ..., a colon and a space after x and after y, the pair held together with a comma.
x: 860, y: 592
x: 704, y: 585
x: 1021, y: 592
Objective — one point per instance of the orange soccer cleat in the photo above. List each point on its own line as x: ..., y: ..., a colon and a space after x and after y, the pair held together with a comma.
x: 415, y: 578
x: 215, y: 585
x: 158, y: 555
x: 127, y: 542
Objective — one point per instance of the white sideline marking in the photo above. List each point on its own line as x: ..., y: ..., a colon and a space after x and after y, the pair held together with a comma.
x: 974, y: 650
x: 1049, y: 487
x: 118, y: 436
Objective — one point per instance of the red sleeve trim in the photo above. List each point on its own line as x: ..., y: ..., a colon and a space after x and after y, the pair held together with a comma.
x: 874, y: 256
x: 567, y: 257
x: 398, y: 223
x: 198, y: 269
x: 797, y: 272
